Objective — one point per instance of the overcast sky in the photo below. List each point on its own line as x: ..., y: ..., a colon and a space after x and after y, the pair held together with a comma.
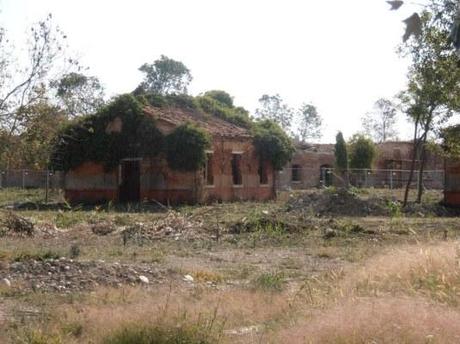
x: 340, y: 55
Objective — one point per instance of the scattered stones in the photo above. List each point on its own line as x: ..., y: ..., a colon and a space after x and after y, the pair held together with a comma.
x: 67, y: 275
x: 188, y: 278
x: 329, y: 233
x: 103, y: 228
x: 144, y: 279
x: 174, y: 225
x: 6, y: 282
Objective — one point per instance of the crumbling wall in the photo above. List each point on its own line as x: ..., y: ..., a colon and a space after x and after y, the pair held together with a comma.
x: 89, y: 183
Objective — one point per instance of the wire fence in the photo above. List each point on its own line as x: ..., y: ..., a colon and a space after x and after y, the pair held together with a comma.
x: 307, y: 177
x: 34, y: 185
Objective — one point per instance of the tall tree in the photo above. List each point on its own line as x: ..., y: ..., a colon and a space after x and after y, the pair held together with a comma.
x: 310, y: 123
x: 380, y: 124
x: 165, y: 76
x: 433, y: 93
x: 362, y: 152
x: 79, y: 94
x: 273, y: 108
x: 341, y: 157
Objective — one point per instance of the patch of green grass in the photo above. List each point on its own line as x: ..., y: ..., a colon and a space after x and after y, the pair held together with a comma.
x: 66, y: 219
x: 38, y: 255
x: 269, y: 281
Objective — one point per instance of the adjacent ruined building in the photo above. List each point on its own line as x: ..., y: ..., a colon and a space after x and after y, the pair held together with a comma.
x: 312, y: 165
x: 233, y: 170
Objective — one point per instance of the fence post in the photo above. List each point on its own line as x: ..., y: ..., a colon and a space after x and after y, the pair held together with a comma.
x: 391, y: 179
x: 23, y: 179
x: 47, y: 185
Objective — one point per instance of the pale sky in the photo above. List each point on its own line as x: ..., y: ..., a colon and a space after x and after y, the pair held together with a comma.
x: 339, y: 55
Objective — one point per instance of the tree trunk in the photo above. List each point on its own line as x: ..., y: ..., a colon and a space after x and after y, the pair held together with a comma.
x: 422, y: 142
x: 412, y: 166
x: 420, y: 172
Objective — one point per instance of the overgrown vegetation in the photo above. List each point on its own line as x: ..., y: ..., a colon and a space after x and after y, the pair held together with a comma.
x: 118, y: 130
x: 185, y: 147
x: 272, y: 143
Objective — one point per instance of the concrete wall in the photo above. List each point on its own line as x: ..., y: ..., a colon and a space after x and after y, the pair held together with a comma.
x: 90, y: 183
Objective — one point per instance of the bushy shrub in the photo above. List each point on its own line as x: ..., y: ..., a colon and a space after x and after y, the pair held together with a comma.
x: 272, y: 143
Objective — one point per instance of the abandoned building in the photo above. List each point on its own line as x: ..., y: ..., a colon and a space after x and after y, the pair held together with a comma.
x: 232, y: 171
x: 312, y: 165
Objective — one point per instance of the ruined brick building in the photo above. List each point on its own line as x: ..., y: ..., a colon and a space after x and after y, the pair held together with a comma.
x: 233, y: 170
x: 312, y: 163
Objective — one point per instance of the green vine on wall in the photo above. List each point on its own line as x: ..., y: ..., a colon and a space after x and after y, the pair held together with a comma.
x: 117, y: 131
x: 122, y: 130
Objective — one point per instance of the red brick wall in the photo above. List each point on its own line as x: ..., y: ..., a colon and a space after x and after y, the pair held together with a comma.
x: 89, y: 182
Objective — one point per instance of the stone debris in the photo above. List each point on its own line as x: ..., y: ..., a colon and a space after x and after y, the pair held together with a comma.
x: 103, y: 228
x: 144, y: 279
x: 6, y: 282
x: 188, y: 278
x: 173, y: 225
x: 67, y: 275
x: 243, y: 331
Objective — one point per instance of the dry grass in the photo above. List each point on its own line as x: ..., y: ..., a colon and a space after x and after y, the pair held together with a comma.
x: 381, y: 320
x: 431, y: 271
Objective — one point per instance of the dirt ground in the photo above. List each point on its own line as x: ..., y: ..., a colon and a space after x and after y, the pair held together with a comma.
x: 276, y: 272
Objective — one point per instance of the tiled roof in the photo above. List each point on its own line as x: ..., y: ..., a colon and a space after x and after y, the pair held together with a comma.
x: 212, y: 124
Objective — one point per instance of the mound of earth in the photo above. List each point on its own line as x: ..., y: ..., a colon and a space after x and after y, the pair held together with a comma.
x: 341, y: 202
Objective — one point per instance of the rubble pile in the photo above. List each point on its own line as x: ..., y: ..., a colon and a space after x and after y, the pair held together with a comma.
x: 68, y: 275
x: 341, y: 203
x: 12, y: 224
x: 174, y: 225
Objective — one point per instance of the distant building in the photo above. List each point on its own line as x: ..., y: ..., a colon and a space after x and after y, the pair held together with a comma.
x: 312, y: 164
x: 232, y: 172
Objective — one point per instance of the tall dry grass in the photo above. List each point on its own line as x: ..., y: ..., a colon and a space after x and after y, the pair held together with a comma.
x: 379, y: 320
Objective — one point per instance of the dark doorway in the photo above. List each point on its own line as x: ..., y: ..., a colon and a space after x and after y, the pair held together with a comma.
x: 130, y: 181
x: 326, y: 174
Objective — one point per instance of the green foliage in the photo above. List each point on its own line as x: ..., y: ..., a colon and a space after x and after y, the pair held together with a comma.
x: 270, y: 282
x: 118, y: 130
x: 394, y: 208
x: 185, y: 147
x: 79, y: 94
x: 341, y: 154
x: 221, y: 96
x: 451, y: 141
x: 235, y: 115
x: 165, y: 76
x: 362, y: 152
x: 272, y: 143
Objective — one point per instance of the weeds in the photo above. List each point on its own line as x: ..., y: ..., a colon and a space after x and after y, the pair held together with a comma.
x: 269, y: 281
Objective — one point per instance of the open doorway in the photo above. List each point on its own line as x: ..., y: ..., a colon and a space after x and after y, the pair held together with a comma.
x: 130, y: 181
x: 326, y: 175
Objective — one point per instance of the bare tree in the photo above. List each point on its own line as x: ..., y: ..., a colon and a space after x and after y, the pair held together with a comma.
x: 381, y: 123
x: 23, y: 81
x: 310, y: 123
